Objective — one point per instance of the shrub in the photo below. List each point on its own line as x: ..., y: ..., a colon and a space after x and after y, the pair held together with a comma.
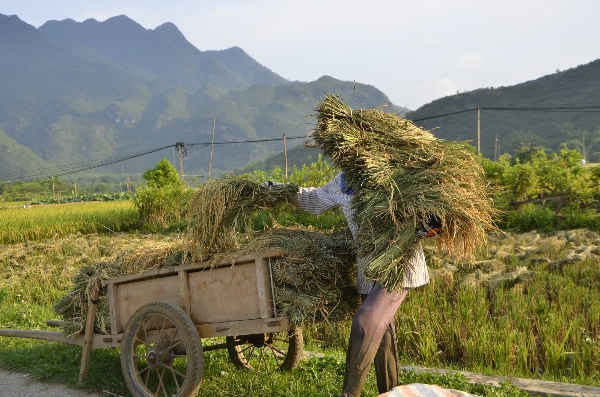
x: 531, y: 217
x: 576, y: 218
x: 164, y: 201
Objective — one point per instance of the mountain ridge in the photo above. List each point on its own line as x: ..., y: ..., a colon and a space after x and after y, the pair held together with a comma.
x: 577, y: 86
x: 75, y: 93
x: 82, y: 91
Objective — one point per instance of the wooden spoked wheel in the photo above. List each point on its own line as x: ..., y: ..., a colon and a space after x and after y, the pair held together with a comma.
x: 269, y: 351
x: 161, y: 353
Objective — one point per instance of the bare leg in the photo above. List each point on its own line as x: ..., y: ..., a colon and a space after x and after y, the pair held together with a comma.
x: 368, y: 327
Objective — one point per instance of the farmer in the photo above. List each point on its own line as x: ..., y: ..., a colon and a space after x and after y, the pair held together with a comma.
x: 373, y: 333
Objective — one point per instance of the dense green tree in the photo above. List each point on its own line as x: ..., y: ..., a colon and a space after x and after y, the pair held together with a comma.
x: 163, y: 174
x: 533, y: 175
x: 164, y: 200
x: 586, y: 141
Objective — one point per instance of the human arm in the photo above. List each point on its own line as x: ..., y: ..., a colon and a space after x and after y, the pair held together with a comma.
x: 317, y: 200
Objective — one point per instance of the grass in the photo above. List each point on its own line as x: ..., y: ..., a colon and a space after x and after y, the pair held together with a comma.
x: 50, y: 221
x: 543, y: 324
x: 12, y: 204
x: 320, y: 376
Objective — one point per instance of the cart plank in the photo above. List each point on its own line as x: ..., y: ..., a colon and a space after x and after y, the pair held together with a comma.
x: 131, y: 296
x: 100, y: 341
x: 244, y: 327
x: 226, y: 294
x: 237, y: 288
x: 52, y: 336
x: 222, y: 262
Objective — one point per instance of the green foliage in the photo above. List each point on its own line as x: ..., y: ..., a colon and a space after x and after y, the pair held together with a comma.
x: 531, y: 217
x: 586, y: 141
x: 25, y: 191
x: 314, y: 174
x: 540, y: 190
x: 164, y: 201
x: 162, y: 175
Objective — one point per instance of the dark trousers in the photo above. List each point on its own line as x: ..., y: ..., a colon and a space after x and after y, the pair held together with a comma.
x: 373, y: 339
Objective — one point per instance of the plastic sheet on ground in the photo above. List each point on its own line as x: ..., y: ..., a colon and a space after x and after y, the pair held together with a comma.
x: 424, y: 390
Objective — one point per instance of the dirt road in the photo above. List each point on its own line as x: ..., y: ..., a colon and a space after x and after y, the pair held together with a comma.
x: 14, y: 384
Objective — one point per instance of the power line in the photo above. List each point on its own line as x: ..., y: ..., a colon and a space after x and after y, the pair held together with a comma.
x: 437, y: 116
x: 90, y: 166
x: 544, y: 108
x: 86, y: 166
x: 549, y: 109
x: 245, y: 141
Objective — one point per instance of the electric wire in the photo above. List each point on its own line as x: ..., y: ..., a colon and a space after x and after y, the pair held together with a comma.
x: 89, y: 166
x: 86, y: 166
x: 245, y: 141
x: 72, y: 168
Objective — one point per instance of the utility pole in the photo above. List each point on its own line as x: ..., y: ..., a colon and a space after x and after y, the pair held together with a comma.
x: 180, y: 146
x: 478, y: 129
x: 496, y: 147
x: 285, y: 158
x: 212, y: 147
x: 53, y: 193
x: 583, y: 146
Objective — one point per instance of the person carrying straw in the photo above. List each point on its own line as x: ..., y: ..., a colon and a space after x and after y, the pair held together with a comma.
x: 398, y: 184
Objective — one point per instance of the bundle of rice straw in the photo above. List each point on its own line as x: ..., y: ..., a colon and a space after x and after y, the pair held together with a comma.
x: 73, y: 307
x: 221, y: 210
x: 315, y: 279
x: 403, y: 175
x: 312, y: 282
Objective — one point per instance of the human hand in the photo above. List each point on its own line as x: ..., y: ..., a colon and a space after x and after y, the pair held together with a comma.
x: 430, y: 226
x: 270, y: 184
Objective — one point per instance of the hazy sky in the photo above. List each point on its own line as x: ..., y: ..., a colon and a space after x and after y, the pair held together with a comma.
x: 414, y: 51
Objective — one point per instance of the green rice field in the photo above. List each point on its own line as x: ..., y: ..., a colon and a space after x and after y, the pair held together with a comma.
x: 32, y: 223
x: 528, y: 306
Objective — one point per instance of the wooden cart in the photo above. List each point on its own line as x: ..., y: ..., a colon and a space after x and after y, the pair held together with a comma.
x: 158, y: 318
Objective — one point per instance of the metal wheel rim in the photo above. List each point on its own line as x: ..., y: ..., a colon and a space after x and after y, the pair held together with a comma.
x: 258, y: 356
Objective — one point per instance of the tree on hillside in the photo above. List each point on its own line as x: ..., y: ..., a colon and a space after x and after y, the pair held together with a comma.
x: 586, y: 141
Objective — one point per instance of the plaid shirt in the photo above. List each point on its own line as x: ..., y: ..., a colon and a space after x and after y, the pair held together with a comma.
x: 320, y: 199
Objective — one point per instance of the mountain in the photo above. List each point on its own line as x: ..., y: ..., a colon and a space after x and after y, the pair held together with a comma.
x: 76, y: 92
x: 161, y: 54
x: 505, y: 131
x: 45, y: 90
x: 17, y: 159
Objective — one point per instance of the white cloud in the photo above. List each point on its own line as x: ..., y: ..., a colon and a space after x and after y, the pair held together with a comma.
x: 442, y: 87
x: 469, y: 62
